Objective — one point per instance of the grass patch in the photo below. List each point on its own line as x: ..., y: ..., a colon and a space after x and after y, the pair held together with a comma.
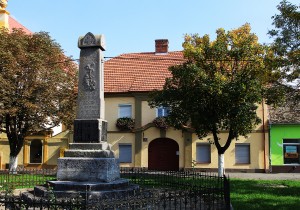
x: 265, y: 194
x: 19, y: 181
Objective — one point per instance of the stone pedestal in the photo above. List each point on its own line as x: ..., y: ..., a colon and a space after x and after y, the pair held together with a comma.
x: 88, y: 169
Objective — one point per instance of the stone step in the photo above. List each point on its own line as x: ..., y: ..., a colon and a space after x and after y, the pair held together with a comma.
x: 89, y: 153
x: 88, y: 186
x: 42, y: 192
x: 90, y: 146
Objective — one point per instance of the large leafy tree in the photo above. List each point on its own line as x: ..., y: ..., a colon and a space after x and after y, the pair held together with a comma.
x: 286, y: 47
x: 218, y: 87
x: 37, y: 86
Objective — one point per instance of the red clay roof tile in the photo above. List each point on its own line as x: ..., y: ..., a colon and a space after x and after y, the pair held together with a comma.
x: 139, y: 72
x: 15, y: 24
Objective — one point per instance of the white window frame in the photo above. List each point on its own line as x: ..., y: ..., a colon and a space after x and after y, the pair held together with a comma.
x: 165, y: 111
x: 240, y: 156
x: 121, y: 114
x: 200, y: 148
x: 127, y: 157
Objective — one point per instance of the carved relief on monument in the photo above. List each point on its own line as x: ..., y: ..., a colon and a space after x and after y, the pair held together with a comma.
x: 89, y: 81
x: 89, y: 39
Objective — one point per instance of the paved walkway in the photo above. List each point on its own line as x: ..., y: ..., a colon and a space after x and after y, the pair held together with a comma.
x: 265, y: 176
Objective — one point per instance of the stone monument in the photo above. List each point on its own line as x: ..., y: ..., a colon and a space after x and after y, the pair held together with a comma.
x: 89, y: 166
x: 90, y: 157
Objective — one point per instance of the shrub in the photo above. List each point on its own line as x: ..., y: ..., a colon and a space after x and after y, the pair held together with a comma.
x: 161, y: 123
x: 125, y: 123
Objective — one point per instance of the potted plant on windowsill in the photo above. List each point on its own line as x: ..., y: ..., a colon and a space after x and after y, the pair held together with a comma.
x: 125, y: 123
x: 161, y: 123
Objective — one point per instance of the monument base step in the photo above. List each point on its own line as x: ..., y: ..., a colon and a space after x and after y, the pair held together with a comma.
x: 91, y: 191
x: 90, y: 146
x: 89, y: 153
x: 88, y: 186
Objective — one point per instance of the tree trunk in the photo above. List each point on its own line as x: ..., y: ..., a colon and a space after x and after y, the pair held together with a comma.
x: 13, y: 163
x: 221, y: 167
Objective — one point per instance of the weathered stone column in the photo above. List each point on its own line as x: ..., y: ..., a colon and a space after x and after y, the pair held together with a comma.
x: 90, y: 126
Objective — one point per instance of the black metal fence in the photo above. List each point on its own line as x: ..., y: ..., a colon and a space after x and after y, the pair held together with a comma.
x: 158, y: 190
x: 25, y: 178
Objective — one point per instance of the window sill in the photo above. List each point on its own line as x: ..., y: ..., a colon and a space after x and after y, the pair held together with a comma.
x: 242, y: 163
x: 291, y: 164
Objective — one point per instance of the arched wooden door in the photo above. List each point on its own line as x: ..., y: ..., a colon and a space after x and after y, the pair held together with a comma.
x: 163, y: 154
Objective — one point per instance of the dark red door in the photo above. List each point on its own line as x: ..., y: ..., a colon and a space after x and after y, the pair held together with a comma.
x: 163, y: 154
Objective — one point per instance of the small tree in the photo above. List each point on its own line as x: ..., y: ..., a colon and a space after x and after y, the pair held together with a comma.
x: 37, y: 86
x: 286, y: 47
x: 218, y: 88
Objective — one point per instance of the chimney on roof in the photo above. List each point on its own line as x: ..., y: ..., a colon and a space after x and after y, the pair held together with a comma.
x: 161, y: 46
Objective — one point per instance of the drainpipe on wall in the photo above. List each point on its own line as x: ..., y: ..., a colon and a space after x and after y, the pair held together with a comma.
x: 264, y: 136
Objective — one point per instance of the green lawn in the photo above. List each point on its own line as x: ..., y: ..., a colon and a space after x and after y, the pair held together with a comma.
x: 19, y: 181
x: 266, y: 195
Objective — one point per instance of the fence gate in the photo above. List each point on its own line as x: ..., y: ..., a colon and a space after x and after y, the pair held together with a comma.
x: 163, y: 154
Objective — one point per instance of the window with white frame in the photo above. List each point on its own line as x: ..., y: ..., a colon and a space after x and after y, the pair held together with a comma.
x: 242, y: 153
x: 203, y: 153
x: 125, y: 110
x: 125, y: 153
x: 291, y: 150
x: 162, y: 111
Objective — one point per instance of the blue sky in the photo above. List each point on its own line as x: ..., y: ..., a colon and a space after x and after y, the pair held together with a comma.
x: 133, y: 25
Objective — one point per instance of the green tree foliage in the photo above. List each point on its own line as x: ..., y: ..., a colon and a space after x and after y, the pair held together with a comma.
x: 37, y: 85
x: 218, y: 87
x: 286, y: 47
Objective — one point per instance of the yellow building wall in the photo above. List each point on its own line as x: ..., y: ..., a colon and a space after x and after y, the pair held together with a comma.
x: 258, y: 139
x: 122, y: 138
x: 54, y: 146
x: 257, y: 153
x: 112, y: 110
x: 50, y: 152
x: 148, y: 114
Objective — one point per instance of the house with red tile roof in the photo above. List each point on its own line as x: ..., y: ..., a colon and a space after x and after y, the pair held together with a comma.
x: 128, y: 80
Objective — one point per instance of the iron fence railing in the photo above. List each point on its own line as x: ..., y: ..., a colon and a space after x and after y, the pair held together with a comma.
x: 158, y: 190
x: 25, y: 178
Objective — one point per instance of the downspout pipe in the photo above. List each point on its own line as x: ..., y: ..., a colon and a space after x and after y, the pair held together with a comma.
x: 264, y: 135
